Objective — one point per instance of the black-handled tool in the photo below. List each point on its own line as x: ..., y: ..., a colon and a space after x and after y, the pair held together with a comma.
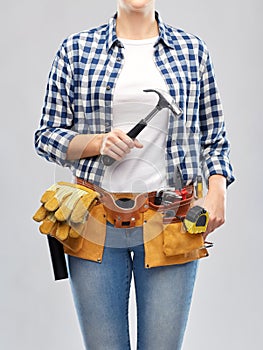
x: 165, y: 101
x: 57, y: 258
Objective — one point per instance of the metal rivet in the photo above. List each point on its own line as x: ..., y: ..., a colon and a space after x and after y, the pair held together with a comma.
x: 99, y: 260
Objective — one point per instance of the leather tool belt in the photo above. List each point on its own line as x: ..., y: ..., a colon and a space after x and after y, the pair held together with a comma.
x: 77, y: 217
x: 124, y: 210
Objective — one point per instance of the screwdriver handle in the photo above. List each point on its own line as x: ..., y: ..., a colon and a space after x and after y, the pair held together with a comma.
x: 107, y: 160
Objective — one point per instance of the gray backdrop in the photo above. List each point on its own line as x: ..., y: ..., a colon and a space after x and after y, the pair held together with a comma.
x: 37, y: 313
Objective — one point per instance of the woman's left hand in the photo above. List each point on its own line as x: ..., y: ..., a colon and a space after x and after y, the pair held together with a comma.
x: 215, y: 203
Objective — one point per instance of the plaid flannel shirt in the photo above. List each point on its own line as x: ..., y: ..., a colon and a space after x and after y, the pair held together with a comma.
x: 80, y: 91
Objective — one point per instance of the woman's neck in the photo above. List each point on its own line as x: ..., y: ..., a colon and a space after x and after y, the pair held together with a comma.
x: 136, y: 25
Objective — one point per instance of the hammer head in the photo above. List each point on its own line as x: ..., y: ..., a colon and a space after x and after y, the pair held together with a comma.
x: 166, y: 101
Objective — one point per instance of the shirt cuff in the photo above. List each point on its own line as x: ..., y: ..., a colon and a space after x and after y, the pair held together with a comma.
x: 57, y: 146
x: 218, y: 166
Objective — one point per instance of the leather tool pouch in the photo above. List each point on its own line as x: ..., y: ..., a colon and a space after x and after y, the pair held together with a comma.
x: 64, y: 211
x: 176, y: 240
x: 75, y: 244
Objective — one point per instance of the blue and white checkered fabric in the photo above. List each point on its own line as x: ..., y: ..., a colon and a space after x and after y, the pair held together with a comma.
x: 80, y: 92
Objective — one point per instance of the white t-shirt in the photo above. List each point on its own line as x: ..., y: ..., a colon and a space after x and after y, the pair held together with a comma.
x: 142, y: 170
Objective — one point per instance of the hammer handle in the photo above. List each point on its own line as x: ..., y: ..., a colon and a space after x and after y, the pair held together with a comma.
x: 107, y: 160
x: 57, y: 258
x: 137, y: 129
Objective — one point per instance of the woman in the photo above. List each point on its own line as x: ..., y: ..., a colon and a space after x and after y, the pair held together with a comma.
x: 94, y: 96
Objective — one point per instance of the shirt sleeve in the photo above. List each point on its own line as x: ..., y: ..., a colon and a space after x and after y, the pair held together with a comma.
x: 54, y: 134
x: 215, y: 146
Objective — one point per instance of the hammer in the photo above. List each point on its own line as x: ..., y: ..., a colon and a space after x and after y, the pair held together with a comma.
x: 165, y: 101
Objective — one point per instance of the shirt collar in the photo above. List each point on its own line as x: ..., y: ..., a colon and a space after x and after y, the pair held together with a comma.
x: 164, y: 35
x: 112, y: 35
x: 113, y: 39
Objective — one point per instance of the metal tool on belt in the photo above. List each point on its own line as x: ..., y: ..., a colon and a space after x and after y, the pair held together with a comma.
x: 196, y: 219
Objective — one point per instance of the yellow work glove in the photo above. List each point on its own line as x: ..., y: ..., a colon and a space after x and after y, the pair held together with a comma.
x: 75, y: 207
x: 64, y: 209
x: 56, y: 194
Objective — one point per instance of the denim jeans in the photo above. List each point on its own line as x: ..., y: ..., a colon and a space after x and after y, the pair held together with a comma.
x: 101, y: 296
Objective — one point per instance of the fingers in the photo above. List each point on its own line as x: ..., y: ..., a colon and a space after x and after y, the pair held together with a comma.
x: 116, y: 144
x: 215, y: 205
x: 213, y: 223
x: 137, y: 144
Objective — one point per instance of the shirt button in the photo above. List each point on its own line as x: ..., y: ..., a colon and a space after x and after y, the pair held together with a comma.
x: 118, y: 59
x: 108, y: 87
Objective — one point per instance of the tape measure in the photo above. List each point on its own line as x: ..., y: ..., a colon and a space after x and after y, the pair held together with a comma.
x: 196, y: 220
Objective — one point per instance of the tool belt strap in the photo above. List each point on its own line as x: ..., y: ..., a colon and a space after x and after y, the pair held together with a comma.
x: 124, y: 210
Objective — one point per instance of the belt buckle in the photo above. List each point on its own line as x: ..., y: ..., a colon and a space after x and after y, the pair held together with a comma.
x: 118, y: 223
